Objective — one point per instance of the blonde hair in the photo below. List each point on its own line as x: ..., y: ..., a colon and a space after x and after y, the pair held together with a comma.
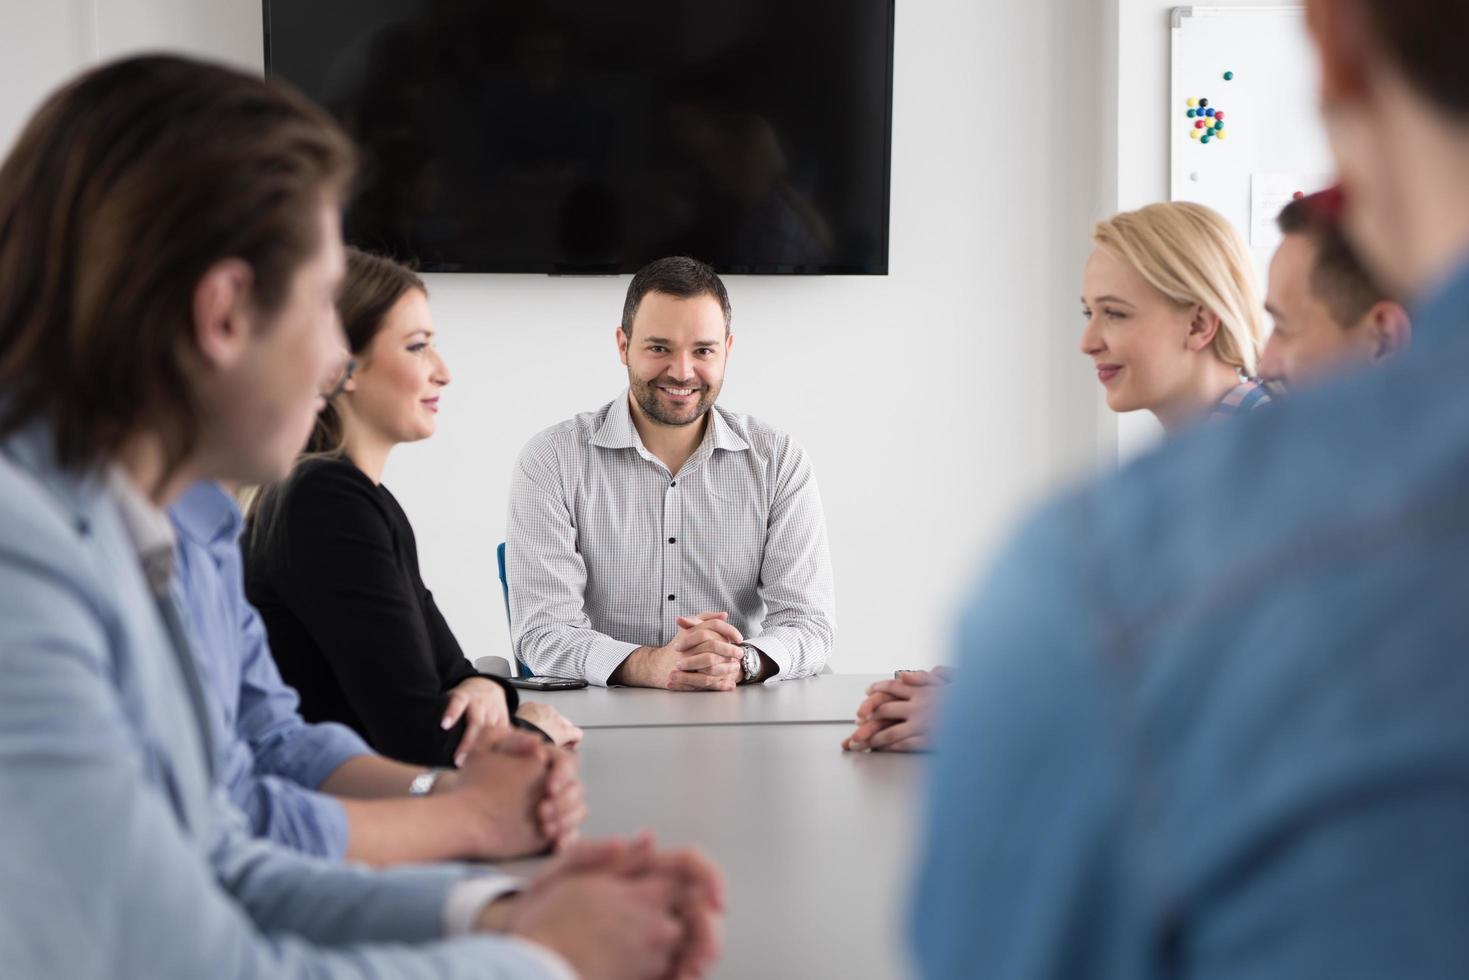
x: 1193, y: 256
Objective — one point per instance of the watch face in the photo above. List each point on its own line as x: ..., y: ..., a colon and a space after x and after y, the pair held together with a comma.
x: 751, y: 663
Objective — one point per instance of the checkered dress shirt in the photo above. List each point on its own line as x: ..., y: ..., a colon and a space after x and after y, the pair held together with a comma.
x: 1242, y: 399
x: 605, y: 548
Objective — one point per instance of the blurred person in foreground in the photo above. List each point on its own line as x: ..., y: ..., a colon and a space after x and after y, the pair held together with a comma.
x: 166, y: 318
x: 1209, y: 717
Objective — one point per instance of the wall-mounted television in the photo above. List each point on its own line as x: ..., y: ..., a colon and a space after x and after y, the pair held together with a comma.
x: 591, y: 136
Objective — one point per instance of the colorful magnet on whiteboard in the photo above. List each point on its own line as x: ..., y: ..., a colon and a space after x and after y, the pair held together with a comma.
x: 1219, y: 114
x: 1206, y: 138
x: 1298, y: 195
x: 1199, y: 124
x: 1203, y: 103
x: 1192, y: 113
x: 1229, y: 76
x: 1192, y: 103
x: 1208, y: 112
x: 1218, y: 124
x: 1194, y: 134
x: 1219, y: 134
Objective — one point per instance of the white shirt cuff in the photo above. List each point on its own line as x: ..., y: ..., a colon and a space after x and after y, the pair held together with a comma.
x: 468, y: 898
x: 604, y: 658
x: 777, y: 652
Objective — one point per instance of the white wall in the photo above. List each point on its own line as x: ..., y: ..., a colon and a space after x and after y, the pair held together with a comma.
x: 40, y: 43
x: 936, y: 402
x: 44, y: 43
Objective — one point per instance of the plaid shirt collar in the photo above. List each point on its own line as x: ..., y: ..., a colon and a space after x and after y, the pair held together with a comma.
x: 618, y: 432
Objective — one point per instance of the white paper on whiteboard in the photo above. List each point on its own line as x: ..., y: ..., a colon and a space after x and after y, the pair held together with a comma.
x: 1269, y: 194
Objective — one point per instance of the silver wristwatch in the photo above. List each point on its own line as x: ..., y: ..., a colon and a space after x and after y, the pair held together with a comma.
x: 423, y: 783
x: 750, y: 663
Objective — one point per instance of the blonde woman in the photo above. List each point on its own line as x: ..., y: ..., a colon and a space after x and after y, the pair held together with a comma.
x: 1173, y: 322
x: 1173, y: 315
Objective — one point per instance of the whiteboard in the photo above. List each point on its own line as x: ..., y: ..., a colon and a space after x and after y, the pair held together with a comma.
x: 1274, y: 143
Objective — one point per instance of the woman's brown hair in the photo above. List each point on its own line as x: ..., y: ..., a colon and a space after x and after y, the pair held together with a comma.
x: 124, y: 188
x: 372, y: 286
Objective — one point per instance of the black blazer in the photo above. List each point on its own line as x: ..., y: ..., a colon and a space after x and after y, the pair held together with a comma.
x: 332, y: 566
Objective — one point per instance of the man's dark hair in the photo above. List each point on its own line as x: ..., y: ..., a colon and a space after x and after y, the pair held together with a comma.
x: 1338, y: 277
x: 124, y: 188
x: 677, y: 275
x: 1425, y: 38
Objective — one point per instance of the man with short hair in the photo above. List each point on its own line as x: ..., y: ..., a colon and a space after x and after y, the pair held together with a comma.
x: 1330, y: 313
x: 663, y: 540
x: 1210, y: 717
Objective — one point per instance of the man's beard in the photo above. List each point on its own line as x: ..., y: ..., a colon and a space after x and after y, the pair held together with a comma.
x: 648, y: 399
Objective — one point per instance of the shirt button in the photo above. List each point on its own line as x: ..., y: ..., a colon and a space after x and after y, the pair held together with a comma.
x: 674, y: 483
x: 671, y: 598
x: 673, y: 540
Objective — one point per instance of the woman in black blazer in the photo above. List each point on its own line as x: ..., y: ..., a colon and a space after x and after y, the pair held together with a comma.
x: 331, y: 561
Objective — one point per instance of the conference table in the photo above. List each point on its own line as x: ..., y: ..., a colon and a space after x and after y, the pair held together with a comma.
x: 815, y: 843
x: 823, y: 699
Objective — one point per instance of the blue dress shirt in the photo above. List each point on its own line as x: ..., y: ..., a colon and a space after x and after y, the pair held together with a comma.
x: 267, y: 756
x: 1213, y: 713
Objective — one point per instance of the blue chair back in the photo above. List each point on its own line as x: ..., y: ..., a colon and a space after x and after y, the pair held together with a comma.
x: 520, y: 668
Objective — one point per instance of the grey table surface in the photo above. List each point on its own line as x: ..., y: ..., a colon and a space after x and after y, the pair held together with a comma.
x: 816, y: 844
x: 824, y: 699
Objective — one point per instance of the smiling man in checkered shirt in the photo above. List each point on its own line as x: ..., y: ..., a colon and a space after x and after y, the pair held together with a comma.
x: 662, y: 540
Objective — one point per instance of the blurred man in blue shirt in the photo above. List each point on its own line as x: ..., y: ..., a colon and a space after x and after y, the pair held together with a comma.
x: 1212, y: 716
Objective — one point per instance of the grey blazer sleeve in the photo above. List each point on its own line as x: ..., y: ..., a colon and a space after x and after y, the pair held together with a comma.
x: 100, y: 876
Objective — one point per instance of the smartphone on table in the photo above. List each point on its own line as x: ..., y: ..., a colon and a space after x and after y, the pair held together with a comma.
x: 537, y: 683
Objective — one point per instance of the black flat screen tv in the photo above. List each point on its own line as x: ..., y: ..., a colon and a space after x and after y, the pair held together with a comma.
x: 592, y: 136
